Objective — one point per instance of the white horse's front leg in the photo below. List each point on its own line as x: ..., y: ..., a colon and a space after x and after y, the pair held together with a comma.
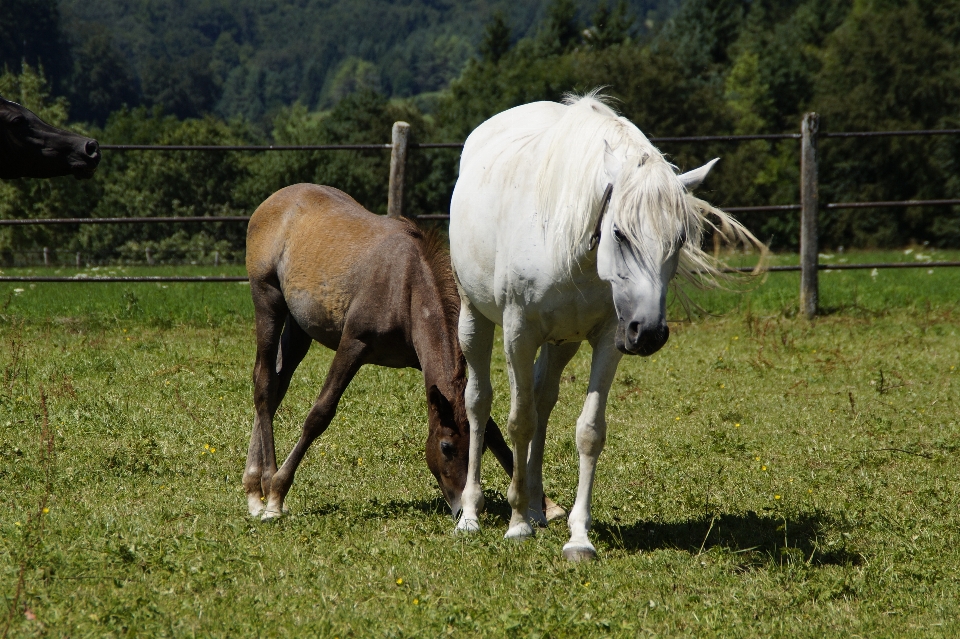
x: 547, y: 373
x: 476, y: 341
x: 521, y: 349
x: 591, y: 436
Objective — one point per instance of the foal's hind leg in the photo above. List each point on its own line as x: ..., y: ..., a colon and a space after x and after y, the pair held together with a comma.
x: 294, y: 345
x: 347, y: 361
x: 271, y: 311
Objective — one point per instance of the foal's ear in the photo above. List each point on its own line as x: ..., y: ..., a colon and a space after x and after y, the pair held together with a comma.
x: 611, y: 165
x: 439, y: 403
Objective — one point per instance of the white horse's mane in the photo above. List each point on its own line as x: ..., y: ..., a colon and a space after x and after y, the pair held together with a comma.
x: 649, y: 202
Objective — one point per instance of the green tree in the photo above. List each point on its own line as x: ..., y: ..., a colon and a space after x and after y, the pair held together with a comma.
x: 31, y: 32
x: 892, y: 65
x: 496, y: 39
x: 102, y: 81
x: 610, y: 27
x: 561, y: 30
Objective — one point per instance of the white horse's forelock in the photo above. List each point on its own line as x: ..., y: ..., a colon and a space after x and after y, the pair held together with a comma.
x: 649, y: 206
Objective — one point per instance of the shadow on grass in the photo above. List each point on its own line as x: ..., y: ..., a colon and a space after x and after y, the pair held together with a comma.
x: 759, y: 538
x: 496, y: 505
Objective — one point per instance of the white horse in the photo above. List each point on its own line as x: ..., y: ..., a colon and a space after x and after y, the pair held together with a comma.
x: 566, y: 225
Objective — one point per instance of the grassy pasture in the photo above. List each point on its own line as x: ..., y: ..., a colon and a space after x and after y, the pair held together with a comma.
x: 763, y: 476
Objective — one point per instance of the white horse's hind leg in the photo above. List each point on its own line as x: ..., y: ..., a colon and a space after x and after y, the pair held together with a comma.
x: 547, y: 373
x: 521, y: 349
x: 591, y: 436
x: 476, y: 341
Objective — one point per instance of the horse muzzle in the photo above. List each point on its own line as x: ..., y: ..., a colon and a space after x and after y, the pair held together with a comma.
x: 634, y: 339
x: 456, y: 507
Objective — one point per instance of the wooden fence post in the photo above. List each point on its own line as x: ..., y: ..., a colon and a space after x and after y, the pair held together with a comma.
x: 809, y: 212
x: 398, y: 162
x: 46, y: 256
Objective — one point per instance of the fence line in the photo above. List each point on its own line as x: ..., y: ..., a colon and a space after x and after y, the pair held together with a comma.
x: 243, y: 278
x: 459, y: 145
x: 809, y: 206
x: 125, y: 278
x: 443, y: 216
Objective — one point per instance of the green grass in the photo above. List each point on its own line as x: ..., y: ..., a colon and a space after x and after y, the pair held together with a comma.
x: 763, y: 476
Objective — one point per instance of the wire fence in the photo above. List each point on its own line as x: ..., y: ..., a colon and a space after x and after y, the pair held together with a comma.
x: 808, y: 137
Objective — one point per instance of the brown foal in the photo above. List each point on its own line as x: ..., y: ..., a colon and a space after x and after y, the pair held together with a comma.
x: 377, y: 291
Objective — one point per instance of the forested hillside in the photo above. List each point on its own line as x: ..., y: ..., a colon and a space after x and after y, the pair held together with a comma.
x: 337, y: 72
x: 251, y: 57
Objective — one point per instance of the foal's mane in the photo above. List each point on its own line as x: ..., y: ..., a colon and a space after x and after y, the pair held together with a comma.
x: 437, y: 256
x: 649, y: 201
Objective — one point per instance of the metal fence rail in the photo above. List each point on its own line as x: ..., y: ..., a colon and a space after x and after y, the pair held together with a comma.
x: 125, y: 278
x: 243, y: 278
x: 808, y: 136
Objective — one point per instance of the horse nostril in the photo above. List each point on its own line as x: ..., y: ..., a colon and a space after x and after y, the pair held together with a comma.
x: 633, y: 331
x: 91, y: 148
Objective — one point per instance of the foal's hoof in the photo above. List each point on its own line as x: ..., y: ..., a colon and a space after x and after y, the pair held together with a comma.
x: 255, y: 509
x: 272, y: 514
x: 519, y: 532
x: 579, y: 553
x: 468, y: 525
x: 552, y: 511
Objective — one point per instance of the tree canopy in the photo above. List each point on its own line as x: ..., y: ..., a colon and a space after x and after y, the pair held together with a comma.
x: 337, y: 71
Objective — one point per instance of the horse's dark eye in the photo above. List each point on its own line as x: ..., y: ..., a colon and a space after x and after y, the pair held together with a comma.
x: 447, y: 449
x: 681, y: 240
x: 618, y: 235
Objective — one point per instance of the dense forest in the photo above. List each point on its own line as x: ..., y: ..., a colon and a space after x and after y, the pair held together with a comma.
x: 214, y: 72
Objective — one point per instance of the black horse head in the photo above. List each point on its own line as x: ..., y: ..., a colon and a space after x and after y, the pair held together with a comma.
x: 29, y: 147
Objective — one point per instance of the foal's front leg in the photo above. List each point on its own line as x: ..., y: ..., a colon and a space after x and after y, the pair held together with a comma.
x: 591, y: 436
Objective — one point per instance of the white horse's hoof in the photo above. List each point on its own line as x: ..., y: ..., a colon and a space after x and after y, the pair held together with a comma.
x: 519, y: 532
x: 578, y: 553
x: 468, y: 525
x: 554, y: 512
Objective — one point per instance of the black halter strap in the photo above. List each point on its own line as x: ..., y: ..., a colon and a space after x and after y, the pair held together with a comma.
x: 604, y: 203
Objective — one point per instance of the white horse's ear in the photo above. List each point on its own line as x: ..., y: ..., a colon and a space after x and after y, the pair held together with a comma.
x: 611, y: 165
x: 692, y: 179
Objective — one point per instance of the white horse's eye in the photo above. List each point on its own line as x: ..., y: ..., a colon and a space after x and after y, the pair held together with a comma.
x: 618, y: 235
